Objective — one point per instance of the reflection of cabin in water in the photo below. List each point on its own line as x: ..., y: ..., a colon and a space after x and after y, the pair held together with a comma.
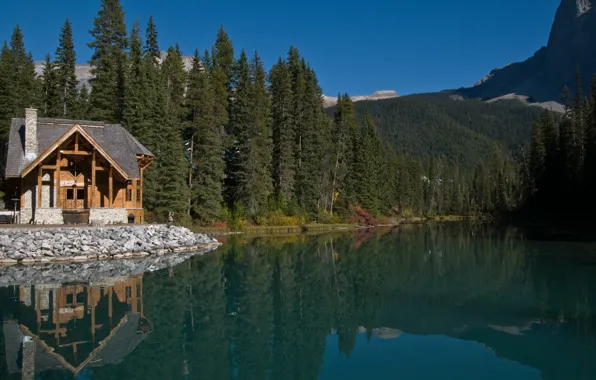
x: 75, y: 326
x: 74, y: 171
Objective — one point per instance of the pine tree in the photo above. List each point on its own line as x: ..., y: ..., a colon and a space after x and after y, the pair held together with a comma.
x: 368, y: 167
x: 221, y: 73
x: 537, y: 156
x: 255, y: 181
x: 310, y: 149
x: 239, y: 129
x: 151, y: 45
x: 51, y: 96
x: 66, y: 78
x: 208, y: 147
x: 283, y: 161
x: 175, y: 79
x: 23, y: 75
x: 108, y: 62
x: 6, y: 92
x: 81, y: 111
x: 134, y: 105
x: 345, y: 137
x: 171, y: 164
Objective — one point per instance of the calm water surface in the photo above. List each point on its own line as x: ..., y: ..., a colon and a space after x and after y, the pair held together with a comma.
x: 443, y: 302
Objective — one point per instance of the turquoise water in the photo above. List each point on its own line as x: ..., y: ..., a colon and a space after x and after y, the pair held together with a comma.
x: 418, y: 302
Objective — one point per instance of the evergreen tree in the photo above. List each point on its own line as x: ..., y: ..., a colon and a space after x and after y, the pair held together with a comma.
x: 310, y: 144
x: 51, y: 96
x: 66, y: 78
x: 284, y: 163
x: 108, y: 62
x: 537, y: 156
x: 255, y: 185
x: 81, y: 111
x: 6, y: 92
x: 368, y: 167
x: 345, y: 142
x: 23, y: 75
x: 175, y: 79
x: 208, y: 152
x: 151, y: 46
x: 239, y: 128
x: 134, y: 105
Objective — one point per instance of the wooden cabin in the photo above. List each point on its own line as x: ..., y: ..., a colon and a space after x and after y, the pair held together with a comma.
x: 68, y: 171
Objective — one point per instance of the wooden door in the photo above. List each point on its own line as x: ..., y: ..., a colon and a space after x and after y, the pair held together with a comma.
x: 74, y: 197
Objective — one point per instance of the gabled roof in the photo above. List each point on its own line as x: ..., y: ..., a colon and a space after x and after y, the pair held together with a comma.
x: 114, y: 139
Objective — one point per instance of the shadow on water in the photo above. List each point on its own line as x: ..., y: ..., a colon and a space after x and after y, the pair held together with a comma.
x: 306, y: 307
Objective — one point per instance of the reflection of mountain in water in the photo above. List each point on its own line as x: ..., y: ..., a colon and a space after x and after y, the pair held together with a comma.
x: 74, y: 326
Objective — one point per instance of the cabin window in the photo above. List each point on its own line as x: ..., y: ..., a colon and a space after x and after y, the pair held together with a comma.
x: 70, y: 194
x: 138, y: 182
x: 129, y: 195
x: 69, y: 299
x: 138, y: 195
x: 80, y: 194
x: 129, y: 182
x: 128, y: 290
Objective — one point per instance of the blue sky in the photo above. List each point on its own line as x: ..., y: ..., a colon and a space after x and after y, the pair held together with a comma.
x: 357, y: 47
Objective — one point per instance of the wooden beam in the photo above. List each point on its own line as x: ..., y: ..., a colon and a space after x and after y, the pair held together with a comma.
x: 93, y: 183
x: 111, y: 185
x: 57, y: 173
x: 22, y: 191
x: 49, y: 167
x: 140, y: 200
x: 39, y: 183
x: 75, y: 152
x: 76, y: 142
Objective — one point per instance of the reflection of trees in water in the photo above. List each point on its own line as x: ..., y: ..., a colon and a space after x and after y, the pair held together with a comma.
x: 263, y: 309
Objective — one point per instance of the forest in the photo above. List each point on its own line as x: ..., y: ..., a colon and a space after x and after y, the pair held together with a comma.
x: 238, y: 144
x: 561, y: 167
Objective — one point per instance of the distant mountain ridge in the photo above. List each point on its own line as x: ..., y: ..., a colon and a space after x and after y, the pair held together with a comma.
x: 330, y: 101
x: 540, y: 78
x: 83, y: 71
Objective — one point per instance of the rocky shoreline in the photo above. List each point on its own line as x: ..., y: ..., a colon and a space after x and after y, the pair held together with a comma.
x: 92, y: 271
x: 43, y: 245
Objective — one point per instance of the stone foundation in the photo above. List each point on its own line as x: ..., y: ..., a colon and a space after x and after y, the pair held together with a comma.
x: 104, y: 216
x: 25, y: 215
x: 48, y: 216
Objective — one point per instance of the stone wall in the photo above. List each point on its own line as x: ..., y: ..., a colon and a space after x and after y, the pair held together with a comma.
x: 48, y: 216
x: 103, y: 216
x: 25, y: 215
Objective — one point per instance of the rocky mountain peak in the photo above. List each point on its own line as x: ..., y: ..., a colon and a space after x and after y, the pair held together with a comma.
x: 541, y: 77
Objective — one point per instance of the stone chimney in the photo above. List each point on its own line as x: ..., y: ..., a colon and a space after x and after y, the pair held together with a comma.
x: 30, y: 133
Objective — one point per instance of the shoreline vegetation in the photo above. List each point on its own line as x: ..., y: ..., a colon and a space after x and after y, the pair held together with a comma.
x: 332, y: 227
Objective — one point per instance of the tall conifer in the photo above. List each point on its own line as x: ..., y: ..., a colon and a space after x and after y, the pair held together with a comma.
x: 284, y: 135
x: 108, y: 62
x: 208, y: 152
x: 65, y: 63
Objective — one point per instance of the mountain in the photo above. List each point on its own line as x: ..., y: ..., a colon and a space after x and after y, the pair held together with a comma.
x: 541, y: 78
x: 329, y: 101
x: 447, y: 125
x: 83, y: 71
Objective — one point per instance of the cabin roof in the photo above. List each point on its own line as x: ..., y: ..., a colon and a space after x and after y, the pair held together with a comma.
x: 114, y: 139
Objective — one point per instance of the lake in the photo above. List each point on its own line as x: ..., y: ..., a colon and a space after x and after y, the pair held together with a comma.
x: 449, y: 301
